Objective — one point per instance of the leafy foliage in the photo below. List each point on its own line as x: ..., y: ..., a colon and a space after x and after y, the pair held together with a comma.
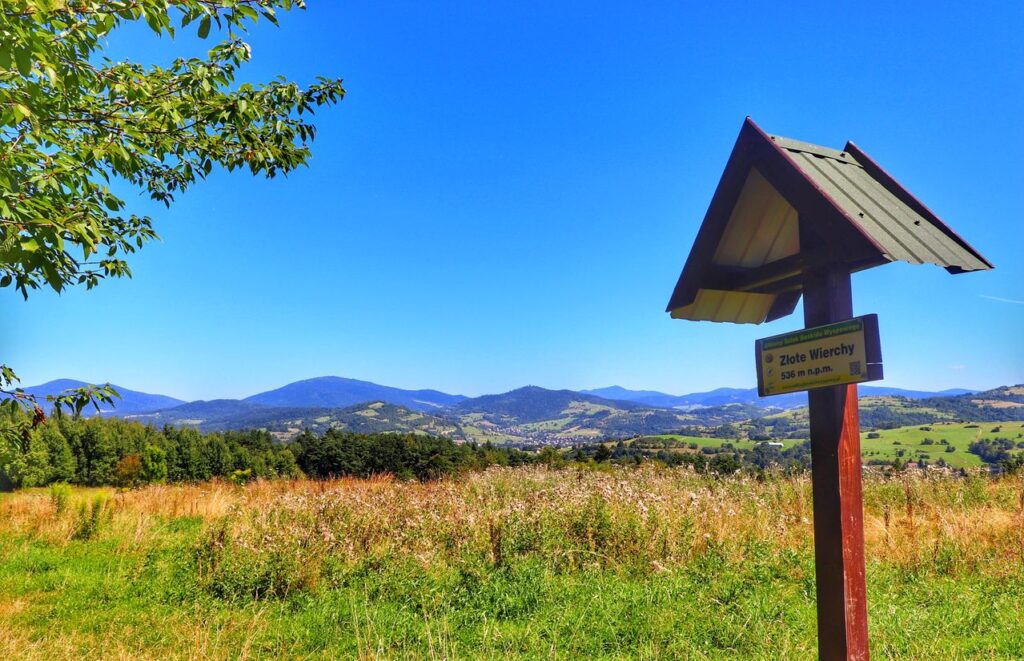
x: 72, y: 122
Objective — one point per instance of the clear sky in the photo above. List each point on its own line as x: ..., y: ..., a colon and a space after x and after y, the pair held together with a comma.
x: 508, y: 192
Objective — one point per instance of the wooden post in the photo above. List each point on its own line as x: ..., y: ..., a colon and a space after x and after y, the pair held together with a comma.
x: 836, y: 477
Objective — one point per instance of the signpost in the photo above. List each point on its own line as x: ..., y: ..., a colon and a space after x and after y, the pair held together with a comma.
x: 792, y: 219
x: 844, y: 352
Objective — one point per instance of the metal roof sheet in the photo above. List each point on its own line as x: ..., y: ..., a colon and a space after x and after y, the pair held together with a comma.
x: 901, y: 232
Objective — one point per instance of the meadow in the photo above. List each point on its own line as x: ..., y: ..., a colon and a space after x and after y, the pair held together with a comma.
x: 931, y: 441
x: 948, y: 441
x: 529, y: 562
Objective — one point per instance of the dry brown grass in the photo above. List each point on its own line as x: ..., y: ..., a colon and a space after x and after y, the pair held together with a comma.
x: 663, y: 516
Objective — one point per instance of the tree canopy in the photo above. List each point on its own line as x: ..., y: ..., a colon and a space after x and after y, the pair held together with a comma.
x: 73, y: 121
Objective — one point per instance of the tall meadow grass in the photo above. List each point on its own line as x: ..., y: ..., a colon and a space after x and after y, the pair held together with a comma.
x: 497, y: 545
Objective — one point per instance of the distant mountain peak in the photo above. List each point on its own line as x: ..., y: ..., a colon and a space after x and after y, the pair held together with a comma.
x: 340, y: 392
x: 131, y: 401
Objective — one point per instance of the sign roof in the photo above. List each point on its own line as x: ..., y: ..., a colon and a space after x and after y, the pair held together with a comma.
x: 783, y: 206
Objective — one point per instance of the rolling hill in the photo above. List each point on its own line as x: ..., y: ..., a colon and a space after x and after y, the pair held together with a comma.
x: 1003, y: 404
x: 368, y: 417
x: 533, y: 404
x: 529, y: 415
x: 132, y: 401
x: 338, y: 392
x: 538, y: 415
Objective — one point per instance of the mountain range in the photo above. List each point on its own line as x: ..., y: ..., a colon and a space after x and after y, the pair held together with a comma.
x: 530, y: 415
x: 722, y: 396
x: 339, y: 392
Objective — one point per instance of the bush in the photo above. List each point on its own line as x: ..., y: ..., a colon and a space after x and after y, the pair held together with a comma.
x: 129, y: 471
x: 60, y: 494
x: 154, y: 464
x: 91, y: 518
x: 240, y: 477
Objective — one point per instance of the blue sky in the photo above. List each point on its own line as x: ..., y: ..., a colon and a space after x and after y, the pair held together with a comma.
x: 508, y: 192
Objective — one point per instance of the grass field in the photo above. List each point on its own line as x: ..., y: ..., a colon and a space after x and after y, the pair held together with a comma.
x: 913, y: 441
x: 628, y: 563
x: 904, y: 443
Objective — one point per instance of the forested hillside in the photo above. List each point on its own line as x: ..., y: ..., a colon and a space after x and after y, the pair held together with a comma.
x: 109, y: 451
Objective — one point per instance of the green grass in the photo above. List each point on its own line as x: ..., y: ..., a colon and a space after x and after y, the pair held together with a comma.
x: 95, y: 600
x: 557, y: 424
x: 959, y: 435
x: 482, y: 435
x: 639, y: 563
x: 909, y: 440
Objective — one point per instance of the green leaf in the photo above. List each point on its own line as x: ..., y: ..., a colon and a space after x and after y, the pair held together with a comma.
x: 247, y: 11
x: 153, y: 20
x: 24, y: 60
x: 21, y: 111
x: 204, y: 27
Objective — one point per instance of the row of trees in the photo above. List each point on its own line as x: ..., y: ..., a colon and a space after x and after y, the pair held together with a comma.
x: 407, y: 456
x: 723, y: 460
x: 101, y: 451
x: 109, y: 451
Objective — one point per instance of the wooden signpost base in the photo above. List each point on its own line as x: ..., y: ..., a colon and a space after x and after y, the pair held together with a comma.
x: 836, y: 477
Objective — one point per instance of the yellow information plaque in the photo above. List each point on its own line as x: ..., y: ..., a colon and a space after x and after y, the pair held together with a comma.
x: 844, y: 352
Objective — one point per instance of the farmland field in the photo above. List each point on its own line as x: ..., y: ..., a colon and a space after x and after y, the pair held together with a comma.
x: 948, y: 441
x: 914, y: 441
x: 530, y: 562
